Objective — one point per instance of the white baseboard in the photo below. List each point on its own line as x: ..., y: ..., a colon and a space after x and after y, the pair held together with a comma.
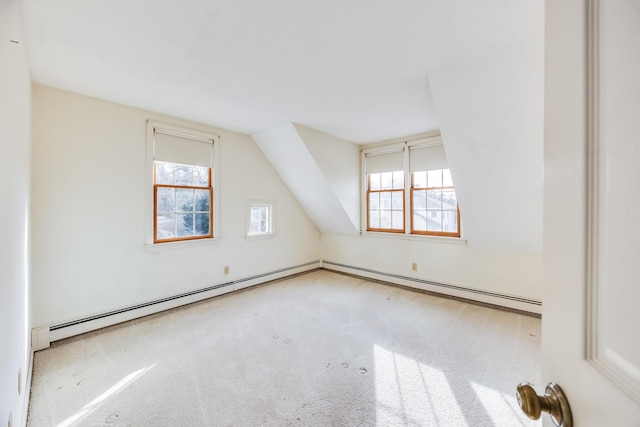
x: 43, y: 336
x: 502, y: 300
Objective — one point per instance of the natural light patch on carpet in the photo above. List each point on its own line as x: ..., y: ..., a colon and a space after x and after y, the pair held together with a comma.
x: 502, y: 408
x: 95, y: 403
x: 409, y: 392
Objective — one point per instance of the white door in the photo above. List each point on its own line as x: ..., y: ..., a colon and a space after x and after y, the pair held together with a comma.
x: 591, y: 305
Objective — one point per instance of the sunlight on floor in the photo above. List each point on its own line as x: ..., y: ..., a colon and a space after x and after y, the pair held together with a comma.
x: 502, y: 408
x: 410, y: 392
x: 95, y: 403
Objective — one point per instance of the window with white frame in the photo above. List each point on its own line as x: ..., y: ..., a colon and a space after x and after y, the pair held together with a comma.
x: 259, y: 218
x: 409, y: 189
x: 183, y: 199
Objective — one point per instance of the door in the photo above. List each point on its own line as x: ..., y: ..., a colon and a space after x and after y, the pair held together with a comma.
x: 591, y: 309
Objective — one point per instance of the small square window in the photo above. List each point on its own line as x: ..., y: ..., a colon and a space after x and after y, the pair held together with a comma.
x: 259, y: 219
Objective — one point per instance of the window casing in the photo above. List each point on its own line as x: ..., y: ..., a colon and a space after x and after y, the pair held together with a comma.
x: 260, y: 215
x: 182, y: 205
x: 182, y: 167
x: 434, y: 206
x: 409, y: 190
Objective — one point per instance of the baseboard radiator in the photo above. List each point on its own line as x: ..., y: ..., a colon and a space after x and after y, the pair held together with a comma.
x: 493, y: 298
x: 42, y: 337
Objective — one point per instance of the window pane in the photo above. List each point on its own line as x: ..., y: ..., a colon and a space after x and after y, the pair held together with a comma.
x: 184, y: 200
x: 184, y: 225
x: 200, y: 176
x: 184, y: 175
x: 398, y: 180
x: 166, y: 200
x: 374, y: 219
x: 165, y: 224
x: 434, y: 221
x: 202, y: 224
x: 449, y: 201
x: 450, y: 221
x: 164, y: 173
x: 420, y: 220
x: 397, y: 220
x: 434, y: 198
x: 260, y: 219
x: 397, y: 201
x: 420, y: 179
x: 385, y: 200
x: 434, y: 178
x: 374, y: 200
x: 420, y: 199
x: 374, y: 181
x: 385, y: 219
x: 255, y: 214
x: 446, y: 178
x: 254, y: 227
x: 386, y: 180
x: 202, y: 200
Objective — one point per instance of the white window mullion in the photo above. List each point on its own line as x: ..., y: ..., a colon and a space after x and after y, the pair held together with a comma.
x: 407, y: 191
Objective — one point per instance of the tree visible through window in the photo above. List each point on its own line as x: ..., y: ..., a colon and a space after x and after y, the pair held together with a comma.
x: 182, y: 202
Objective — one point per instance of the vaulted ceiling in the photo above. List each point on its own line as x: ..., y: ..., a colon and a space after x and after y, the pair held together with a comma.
x: 355, y: 69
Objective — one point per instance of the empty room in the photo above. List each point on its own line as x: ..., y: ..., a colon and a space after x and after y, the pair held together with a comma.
x: 338, y: 213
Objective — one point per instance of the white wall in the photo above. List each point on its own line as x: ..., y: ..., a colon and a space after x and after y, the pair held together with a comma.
x: 509, y: 272
x: 298, y: 167
x: 490, y: 110
x: 505, y: 270
x: 15, y: 99
x: 89, y: 252
x: 335, y: 157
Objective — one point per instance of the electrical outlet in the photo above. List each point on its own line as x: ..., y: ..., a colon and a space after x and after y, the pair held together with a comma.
x: 226, y: 269
x: 19, y: 381
x: 414, y: 266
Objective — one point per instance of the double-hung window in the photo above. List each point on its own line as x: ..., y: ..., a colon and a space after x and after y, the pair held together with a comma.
x: 183, y: 183
x: 434, y: 205
x: 385, y: 191
x: 409, y: 190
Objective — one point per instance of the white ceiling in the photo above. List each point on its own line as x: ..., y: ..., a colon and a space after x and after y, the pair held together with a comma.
x: 356, y: 69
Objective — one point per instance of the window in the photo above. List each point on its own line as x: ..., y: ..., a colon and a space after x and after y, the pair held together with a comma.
x: 434, y: 207
x: 385, y: 197
x: 410, y: 183
x: 183, y: 197
x: 259, y: 218
x: 182, y: 202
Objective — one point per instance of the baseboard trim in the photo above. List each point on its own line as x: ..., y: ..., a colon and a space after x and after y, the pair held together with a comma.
x: 45, y: 335
x: 487, y: 297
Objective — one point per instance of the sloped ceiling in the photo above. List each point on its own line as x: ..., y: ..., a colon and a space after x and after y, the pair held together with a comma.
x: 354, y: 69
x: 490, y: 110
x: 362, y: 70
x: 324, y: 188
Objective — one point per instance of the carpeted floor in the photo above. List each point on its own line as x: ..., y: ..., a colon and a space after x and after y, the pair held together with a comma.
x: 319, y: 349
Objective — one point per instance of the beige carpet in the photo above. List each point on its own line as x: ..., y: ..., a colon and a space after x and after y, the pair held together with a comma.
x: 320, y: 349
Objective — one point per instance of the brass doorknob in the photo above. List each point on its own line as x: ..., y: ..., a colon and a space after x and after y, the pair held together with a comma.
x: 554, y: 402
